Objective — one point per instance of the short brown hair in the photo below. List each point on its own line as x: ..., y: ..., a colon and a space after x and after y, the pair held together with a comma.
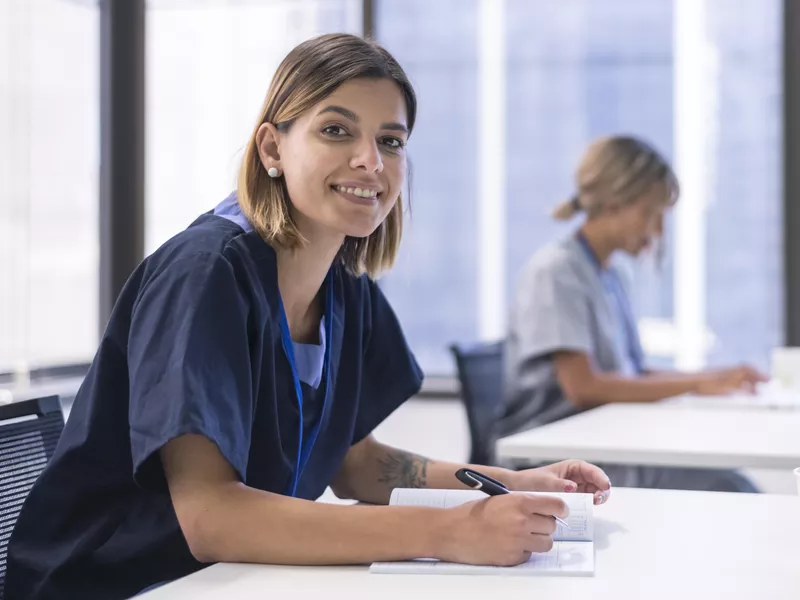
x: 309, y: 74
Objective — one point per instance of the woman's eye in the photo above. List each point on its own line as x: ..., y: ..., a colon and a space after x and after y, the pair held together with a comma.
x: 334, y: 131
x: 393, y: 143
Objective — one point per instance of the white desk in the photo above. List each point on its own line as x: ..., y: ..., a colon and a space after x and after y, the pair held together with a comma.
x: 653, y: 544
x: 666, y: 434
x: 768, y: 399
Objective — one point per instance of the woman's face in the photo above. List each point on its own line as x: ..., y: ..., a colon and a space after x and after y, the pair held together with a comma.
x: 640, y: 223
x: 344, y: 159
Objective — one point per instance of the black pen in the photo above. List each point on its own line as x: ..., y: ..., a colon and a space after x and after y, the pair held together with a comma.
x: 492, y: 487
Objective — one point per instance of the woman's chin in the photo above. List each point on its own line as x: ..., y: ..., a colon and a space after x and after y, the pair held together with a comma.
x: 360, y: 228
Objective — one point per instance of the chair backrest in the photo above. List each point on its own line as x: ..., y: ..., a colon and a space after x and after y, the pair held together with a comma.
x: 480, y: 371
x: 29, y: 432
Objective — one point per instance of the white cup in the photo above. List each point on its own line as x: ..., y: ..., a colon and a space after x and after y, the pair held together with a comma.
x: 797, y: 478
x: 786, y: 368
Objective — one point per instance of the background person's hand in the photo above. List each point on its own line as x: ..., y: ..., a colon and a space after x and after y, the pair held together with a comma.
x: 728, y: 381
x: 501, y: 530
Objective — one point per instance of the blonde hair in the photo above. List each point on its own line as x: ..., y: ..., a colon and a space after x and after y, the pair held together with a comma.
x: 309, y: 74
x: 616, y: 171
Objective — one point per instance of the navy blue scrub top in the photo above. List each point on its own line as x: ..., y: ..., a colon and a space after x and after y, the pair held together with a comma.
x: 194, y: 345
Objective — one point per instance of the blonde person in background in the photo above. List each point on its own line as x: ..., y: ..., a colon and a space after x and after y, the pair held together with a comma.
x: 573, y: 343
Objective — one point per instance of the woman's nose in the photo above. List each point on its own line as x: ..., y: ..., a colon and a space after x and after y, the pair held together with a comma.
x: 367, y: 157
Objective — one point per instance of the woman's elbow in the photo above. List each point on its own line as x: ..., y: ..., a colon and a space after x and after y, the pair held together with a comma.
x: 199, y: 538
x: 575, y: 377
x: 205, y: 524
x: 579, y: 394
x: 342, y: 484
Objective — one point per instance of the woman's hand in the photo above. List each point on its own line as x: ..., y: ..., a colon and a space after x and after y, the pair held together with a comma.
x: 501, y: 530
x: 727, y: 381
x: 565, y: 476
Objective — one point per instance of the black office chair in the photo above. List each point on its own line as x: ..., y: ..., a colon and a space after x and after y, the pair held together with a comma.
x: 29, y: 432
x: 480, y: 371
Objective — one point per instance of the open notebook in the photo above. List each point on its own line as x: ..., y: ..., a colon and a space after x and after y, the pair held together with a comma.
x: 572, y: 552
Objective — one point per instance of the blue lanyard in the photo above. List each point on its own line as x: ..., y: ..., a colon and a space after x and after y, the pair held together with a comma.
x: 304, y: 447
x: 615, y: 286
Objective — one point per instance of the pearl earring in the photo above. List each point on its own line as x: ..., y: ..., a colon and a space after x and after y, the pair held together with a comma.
x: 273, y: 172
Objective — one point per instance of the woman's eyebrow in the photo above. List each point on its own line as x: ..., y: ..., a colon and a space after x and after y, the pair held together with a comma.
x: 349, y: 114
x: 395, y: 127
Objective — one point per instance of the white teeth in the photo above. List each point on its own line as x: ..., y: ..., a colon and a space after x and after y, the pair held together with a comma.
x: 360, y: 192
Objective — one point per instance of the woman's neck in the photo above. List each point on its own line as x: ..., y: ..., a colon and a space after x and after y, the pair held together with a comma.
x: 301, y: 273
x: 599, y: 241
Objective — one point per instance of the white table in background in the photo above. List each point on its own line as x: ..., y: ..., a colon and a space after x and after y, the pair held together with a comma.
x: 667, y: 435
x: 654, y: 544
x: 771, y: 400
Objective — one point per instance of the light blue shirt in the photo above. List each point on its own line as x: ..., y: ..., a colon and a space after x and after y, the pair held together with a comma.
x: 563, y: 302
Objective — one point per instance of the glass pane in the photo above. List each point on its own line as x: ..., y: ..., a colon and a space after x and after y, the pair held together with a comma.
x: 574, y: 71
x: 49, y: 162
x: 744, y: 271
x: 433, y: 287
x: 208, y: 69
x: 577, y: 71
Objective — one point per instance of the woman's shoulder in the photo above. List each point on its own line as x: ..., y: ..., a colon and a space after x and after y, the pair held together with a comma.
x: 210, y: 255
x: 208, y: 235
x: 555, y: 259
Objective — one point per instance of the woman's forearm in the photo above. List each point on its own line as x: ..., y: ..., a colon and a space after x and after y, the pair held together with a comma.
x: 373, y: 470
x: 242, y: 524
x: 604, y: 388
x: 586, y: 387
x: 223, y: 520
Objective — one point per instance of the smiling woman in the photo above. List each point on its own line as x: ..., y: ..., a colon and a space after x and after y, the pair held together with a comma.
x: 345, y: 153
x: 246, y: 364
x: 340, y: 125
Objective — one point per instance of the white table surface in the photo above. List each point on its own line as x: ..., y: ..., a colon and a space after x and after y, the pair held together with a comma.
x: 769, y: 398
x: 666, y: 434
x: 654, y: 544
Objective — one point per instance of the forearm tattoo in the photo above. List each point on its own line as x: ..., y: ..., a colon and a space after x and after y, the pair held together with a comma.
x: 399, y: 469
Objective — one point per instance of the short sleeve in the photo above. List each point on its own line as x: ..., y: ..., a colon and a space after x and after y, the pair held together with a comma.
x: 390, y: 373
x: 189, y: 364
x: 552, y: 311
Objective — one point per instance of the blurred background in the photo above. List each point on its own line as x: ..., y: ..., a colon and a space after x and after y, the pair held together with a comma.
x: 121, y: 121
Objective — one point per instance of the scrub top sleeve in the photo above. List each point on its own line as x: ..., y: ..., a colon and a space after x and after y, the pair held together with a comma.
x: 189, y: 365
x: 391, y: 374
x: 552, y: 312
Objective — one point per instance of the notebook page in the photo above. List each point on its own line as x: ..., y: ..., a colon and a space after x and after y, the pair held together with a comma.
x: 580, y: 519
x: 565, y: 558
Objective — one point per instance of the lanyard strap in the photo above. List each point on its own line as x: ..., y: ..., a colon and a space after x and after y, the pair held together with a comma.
x: 635, y: 352
x: 304, y: 447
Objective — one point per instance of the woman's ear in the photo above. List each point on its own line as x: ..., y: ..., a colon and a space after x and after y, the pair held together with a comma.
x: 267, y: 141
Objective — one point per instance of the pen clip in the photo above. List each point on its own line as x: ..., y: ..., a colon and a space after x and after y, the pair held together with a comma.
x: 476, y: 480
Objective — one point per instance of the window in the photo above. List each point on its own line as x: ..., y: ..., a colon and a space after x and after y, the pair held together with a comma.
x: 434, y: 285
x: 49, y: 161
x: 209, y: 65
x: 699, y: 78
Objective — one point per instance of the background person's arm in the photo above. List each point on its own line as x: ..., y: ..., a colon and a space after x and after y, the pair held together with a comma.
x: 585, y: 387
